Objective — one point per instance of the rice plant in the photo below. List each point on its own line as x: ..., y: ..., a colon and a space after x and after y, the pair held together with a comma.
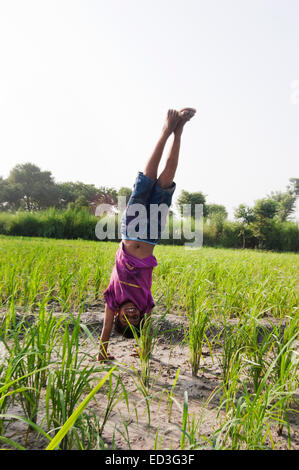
x: 286, y: 366
x: 67, y: 382
x: 32, y: 348
x: 259, y: 351
x: 47, y: 368
x: 171, y: 395
x: 148, y: 333
x: 249, y: 426
x: 199, y: 319
x: 65, y: 428
x: 114, y: 395
x: 232, y: 346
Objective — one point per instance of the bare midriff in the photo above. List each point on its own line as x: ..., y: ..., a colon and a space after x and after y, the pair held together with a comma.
x: 139, y: 249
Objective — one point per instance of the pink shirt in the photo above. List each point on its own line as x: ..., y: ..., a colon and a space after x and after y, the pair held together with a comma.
x: 131, y: 280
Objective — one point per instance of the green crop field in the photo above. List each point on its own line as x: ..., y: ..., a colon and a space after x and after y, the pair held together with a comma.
x: 239, y: 311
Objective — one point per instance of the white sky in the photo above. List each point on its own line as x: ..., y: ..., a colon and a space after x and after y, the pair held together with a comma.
x: 85, y: 85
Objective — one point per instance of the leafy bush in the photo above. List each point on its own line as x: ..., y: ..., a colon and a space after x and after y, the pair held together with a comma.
x: 74, y: 223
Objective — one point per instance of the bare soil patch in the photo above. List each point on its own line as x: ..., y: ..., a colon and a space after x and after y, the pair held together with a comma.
x: 169, y: 355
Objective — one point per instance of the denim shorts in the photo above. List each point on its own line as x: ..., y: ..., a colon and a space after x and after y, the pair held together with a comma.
x: 151, y: 204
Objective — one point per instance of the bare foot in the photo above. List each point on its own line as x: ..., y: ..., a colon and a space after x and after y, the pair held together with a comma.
x: 185, y: 115
x: 172, y: 120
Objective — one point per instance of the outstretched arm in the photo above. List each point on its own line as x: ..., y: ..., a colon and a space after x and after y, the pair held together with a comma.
x: 105, y: 336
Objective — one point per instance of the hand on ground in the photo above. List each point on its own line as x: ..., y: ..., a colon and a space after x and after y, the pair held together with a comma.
x: 135, y: 352
x: 105, y: 357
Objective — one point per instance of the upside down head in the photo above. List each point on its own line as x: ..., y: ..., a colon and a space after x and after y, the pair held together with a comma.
x: 127, y: 313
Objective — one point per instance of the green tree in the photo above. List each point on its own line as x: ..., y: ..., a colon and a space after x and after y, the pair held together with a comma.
x: 264, y: 212
x: 192, y: 198
x: 217, y: 214
x: 286, y: 200
x: 124, y: 191
x: 70, y: 191
x: 286, y: 204
x: 265, y: 208
x: 107, y: 195
x: 31, y: 188
x: 245, y: 216
x: 86, y: 194
x: 216, y: 210
x: 293, y: 187
x: 10, y: 195
x: 81, y: 202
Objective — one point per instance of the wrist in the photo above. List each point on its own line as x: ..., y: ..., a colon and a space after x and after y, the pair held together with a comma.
x: 178, y: 134
x: 165, y: 134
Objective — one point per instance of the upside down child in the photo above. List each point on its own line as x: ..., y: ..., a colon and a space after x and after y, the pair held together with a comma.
x: 128, y: 297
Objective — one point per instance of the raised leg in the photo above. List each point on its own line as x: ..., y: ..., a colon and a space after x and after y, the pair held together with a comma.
x: 151, y: 168
x: 167, y: 176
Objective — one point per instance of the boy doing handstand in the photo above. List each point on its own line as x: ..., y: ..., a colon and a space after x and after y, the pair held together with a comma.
x: 128, y: 296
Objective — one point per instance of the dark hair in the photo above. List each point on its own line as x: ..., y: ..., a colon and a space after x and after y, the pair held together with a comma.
x: 125, y: 330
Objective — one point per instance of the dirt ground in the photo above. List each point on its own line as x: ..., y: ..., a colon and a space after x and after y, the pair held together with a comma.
x: 170, y: 353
